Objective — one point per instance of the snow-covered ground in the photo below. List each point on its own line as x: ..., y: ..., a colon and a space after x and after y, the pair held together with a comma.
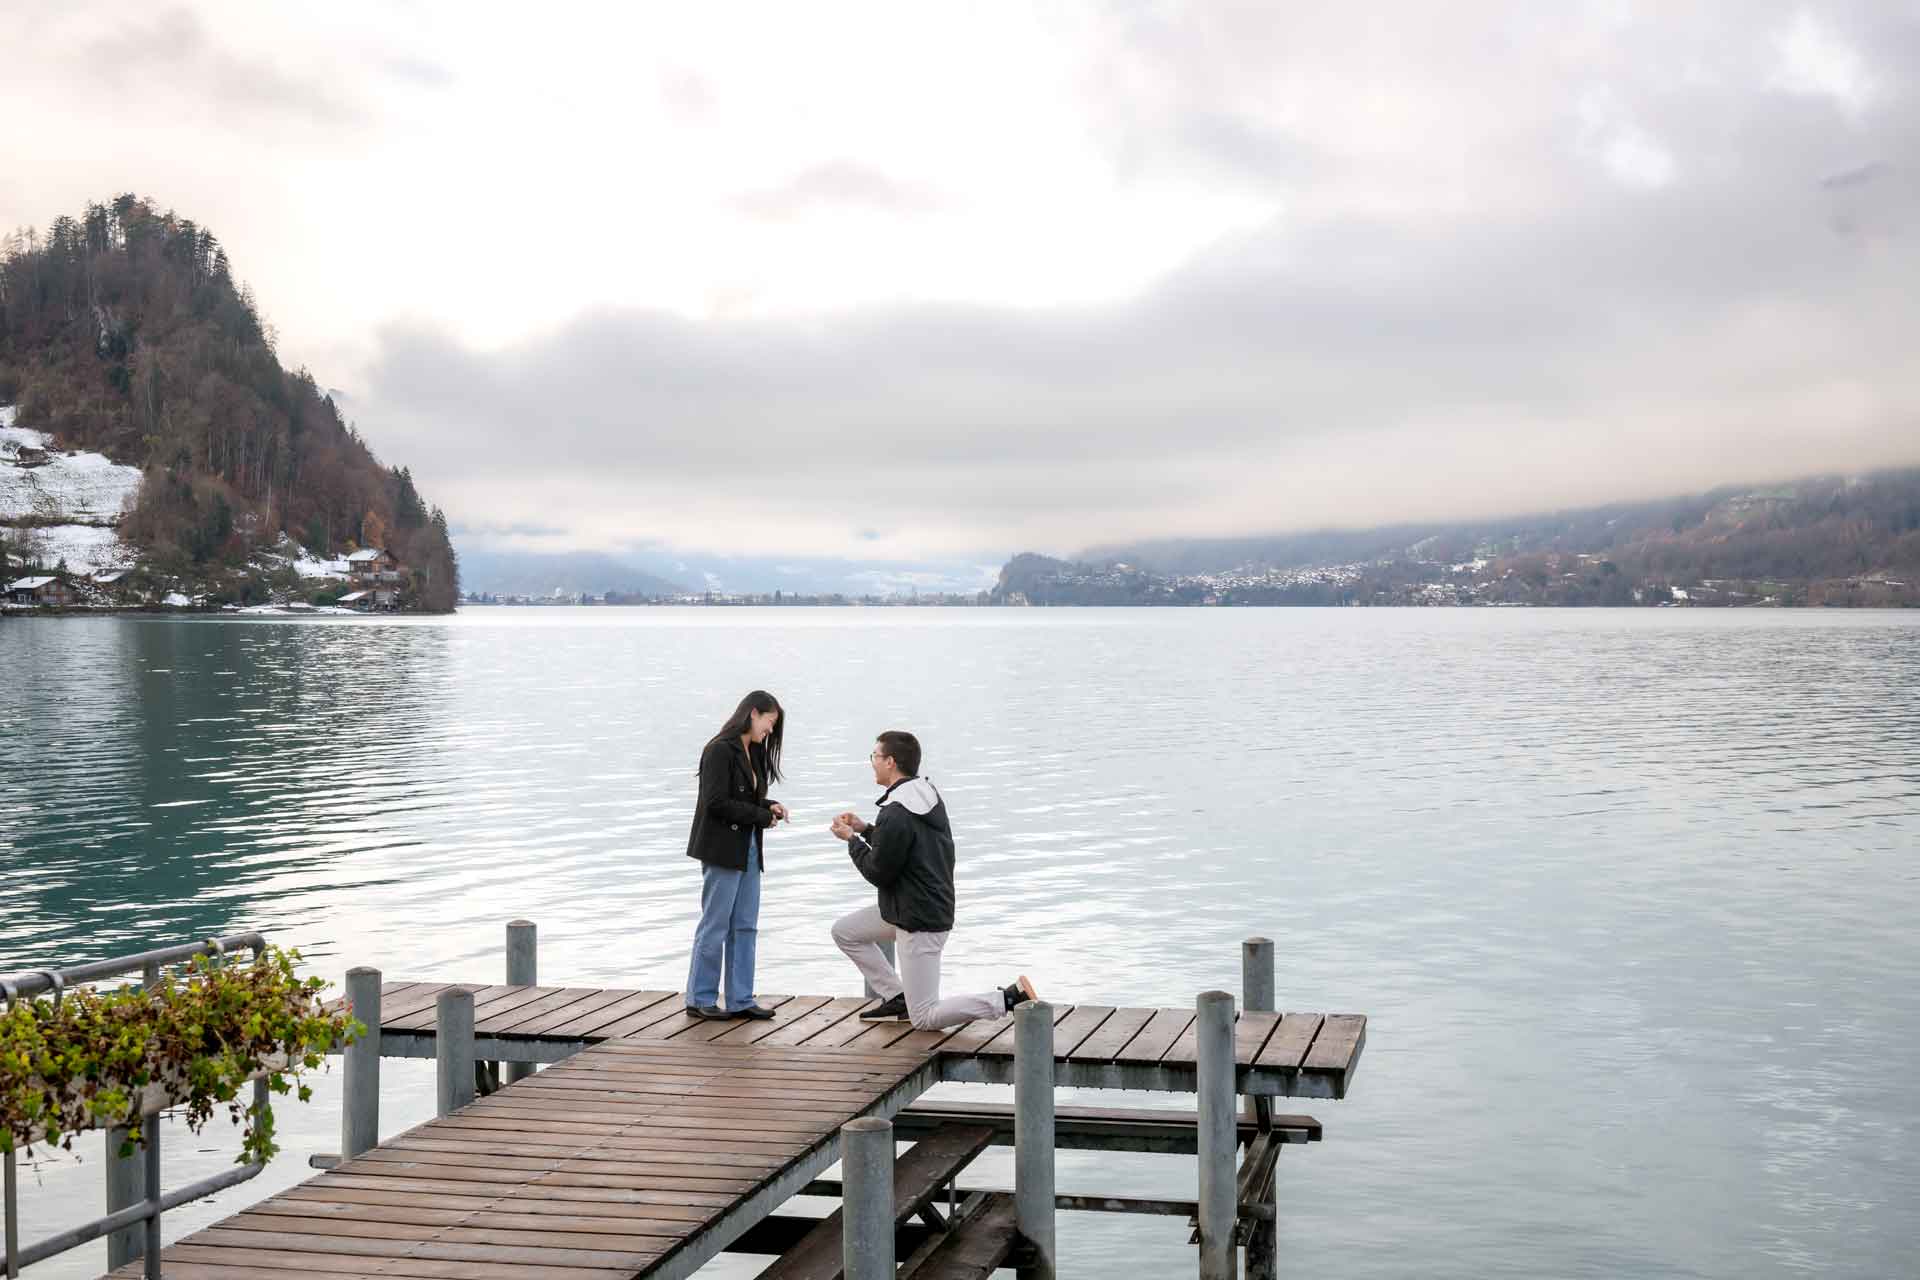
x: 85, y: 492
x: 85, y: 548
x: 302, y: 561
x: 85, y: 488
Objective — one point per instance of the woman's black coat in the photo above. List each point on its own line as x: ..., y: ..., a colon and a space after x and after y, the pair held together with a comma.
x: 731, y: 807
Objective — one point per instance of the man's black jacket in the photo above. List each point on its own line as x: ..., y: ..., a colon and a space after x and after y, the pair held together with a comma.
x: 907, y: 854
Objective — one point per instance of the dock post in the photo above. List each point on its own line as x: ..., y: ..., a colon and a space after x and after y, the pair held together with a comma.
x: 1257, y: 996
x: 866, y: 1199
x: 1218, y: 1136
x: 453, y: 1049
x: 522, y: 971
x: 360, y: 1067
x: 126, y: 1186
x: 1033, y: 1136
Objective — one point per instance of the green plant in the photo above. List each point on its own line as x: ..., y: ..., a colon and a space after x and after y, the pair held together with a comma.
x: 194, y: 1039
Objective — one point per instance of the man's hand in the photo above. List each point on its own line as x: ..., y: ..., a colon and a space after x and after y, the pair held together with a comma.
x: 840, y: 828
x: 853, y: 822
x: 780, y: 813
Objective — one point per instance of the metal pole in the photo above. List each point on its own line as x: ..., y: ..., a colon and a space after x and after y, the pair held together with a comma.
x: 453, y: 1049
x: 13, y: 1213
x: 1219, y: 1195
x: 1257, y: 996
x: 522, y: 971
x: 1033, y: 1135
x: 126, y: 1186
x: 360, y: 1067
x: 150, y: 1130
x: 866, y: 1205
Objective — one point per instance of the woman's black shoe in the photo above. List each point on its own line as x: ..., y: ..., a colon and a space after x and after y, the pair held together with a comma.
x: 710, y: 1012
x: 753, y: 1011
x: 891, y: 1010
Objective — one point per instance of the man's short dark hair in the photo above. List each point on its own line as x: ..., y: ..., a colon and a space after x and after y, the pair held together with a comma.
x: 904, y: 748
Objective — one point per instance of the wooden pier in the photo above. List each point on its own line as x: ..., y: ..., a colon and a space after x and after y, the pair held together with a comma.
x: 648, y: 1141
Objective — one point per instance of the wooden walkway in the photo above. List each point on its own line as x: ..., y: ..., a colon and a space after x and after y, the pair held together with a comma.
x: 1308, y: 1055
x: 656, y: 1139
x: 635, y: 1158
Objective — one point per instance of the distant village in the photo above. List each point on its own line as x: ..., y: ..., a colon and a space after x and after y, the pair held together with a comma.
x: 364, y: 581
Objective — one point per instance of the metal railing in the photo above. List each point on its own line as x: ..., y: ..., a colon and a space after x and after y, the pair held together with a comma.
x: 129, y: 1202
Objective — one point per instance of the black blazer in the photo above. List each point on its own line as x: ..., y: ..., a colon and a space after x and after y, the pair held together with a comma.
x: 731, y: 807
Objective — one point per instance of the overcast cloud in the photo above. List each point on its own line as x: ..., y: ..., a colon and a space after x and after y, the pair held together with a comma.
x: 912, y: 282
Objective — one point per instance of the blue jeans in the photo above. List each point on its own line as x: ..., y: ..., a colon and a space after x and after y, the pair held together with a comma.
x: 729, y: 928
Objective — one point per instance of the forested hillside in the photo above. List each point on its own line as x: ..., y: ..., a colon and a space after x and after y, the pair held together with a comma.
x: 123, y: 331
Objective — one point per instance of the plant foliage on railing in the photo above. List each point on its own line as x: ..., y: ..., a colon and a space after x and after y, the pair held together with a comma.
x: 197, y: 1037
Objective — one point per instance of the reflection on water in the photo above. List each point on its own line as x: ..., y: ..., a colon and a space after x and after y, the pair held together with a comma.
x: 1627, y: 895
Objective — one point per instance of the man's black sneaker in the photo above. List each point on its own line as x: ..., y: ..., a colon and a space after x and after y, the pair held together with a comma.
x: 753, y: 1011
x: 1019, y: 993
x: 894, y: 1010
x: 710, y: 1012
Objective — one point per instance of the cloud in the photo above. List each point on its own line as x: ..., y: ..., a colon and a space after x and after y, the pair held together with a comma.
x: 838, y: 185
x: 174, y: 52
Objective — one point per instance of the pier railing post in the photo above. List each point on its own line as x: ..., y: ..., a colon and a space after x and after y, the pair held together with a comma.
x: 453, y: 1049
x: 1218, y: 1137
x: 126, y: 1186
x: 1033, y: 1136
x: 1257, y: 995
x: 523, y: 970
x: 360, y: 1067
x: 866, y: 1199
x: 150, y: 1133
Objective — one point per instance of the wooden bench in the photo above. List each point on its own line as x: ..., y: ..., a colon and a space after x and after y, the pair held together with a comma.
x: 1166, y: 1132
x: 981, y: 1239
x: 918, y: 1177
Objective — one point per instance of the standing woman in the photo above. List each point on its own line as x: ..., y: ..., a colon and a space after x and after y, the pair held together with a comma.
x: 728, y: 821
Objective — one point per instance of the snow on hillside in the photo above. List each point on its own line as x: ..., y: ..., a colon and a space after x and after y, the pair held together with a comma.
x: 303, y: 562
x: 83, y: 487
x: 71, y: 500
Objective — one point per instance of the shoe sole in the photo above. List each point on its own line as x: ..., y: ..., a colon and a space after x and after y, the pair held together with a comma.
x: 1026, y: 988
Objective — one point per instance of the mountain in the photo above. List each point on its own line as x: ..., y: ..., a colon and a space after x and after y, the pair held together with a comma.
x: 487, y: 569
x: 1832, y: 540
x: 528, y: 573
x: 123, y: 335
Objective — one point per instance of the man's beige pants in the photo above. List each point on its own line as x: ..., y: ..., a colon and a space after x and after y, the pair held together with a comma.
x: 860, y: 933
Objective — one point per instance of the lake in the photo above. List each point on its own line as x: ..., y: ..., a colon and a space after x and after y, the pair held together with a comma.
x: 1628, y: 896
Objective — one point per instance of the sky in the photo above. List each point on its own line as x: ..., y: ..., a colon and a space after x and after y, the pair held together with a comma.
x: 912, y: 281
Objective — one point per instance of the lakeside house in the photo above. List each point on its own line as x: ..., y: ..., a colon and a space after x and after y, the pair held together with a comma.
x: 377, y: 578
x: 42, y: 589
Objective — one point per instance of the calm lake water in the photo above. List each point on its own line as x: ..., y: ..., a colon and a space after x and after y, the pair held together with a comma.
x: 1629, y: 897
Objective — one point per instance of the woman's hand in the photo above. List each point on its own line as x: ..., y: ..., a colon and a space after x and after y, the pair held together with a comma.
x: 780, y: 813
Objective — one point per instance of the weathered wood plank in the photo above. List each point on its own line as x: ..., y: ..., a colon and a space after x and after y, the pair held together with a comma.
x: 1288, y: 1045
x: 1153, y: 1040
x: 1336, y: 1048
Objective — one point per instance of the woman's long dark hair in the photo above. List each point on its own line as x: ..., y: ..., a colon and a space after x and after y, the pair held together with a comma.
x: 740, y: 722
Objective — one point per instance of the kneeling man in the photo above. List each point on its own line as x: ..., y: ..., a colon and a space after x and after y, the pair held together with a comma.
x: 906, y: 853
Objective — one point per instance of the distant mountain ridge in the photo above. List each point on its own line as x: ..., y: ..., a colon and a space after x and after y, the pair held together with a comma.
x: 1820, y: 540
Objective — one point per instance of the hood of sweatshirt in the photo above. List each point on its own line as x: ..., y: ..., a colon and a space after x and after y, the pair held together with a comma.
x: 919, y: 797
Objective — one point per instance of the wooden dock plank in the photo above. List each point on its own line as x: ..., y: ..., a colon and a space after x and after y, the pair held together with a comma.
x: 545, y: 1023
x: 1071, y: 1030
x: 1001, y: 1046
x: 600, y: 1023
x: 501, y: 1022
x: 1153, y: 1040
x: 1250, y: 1035
x: 754, y: 1030
x: 1111, y: 1036
x: 1288, y: 1045
x: 1336, y: 1048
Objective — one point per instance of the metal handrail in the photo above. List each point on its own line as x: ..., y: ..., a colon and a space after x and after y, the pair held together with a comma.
x: 25, y: 986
